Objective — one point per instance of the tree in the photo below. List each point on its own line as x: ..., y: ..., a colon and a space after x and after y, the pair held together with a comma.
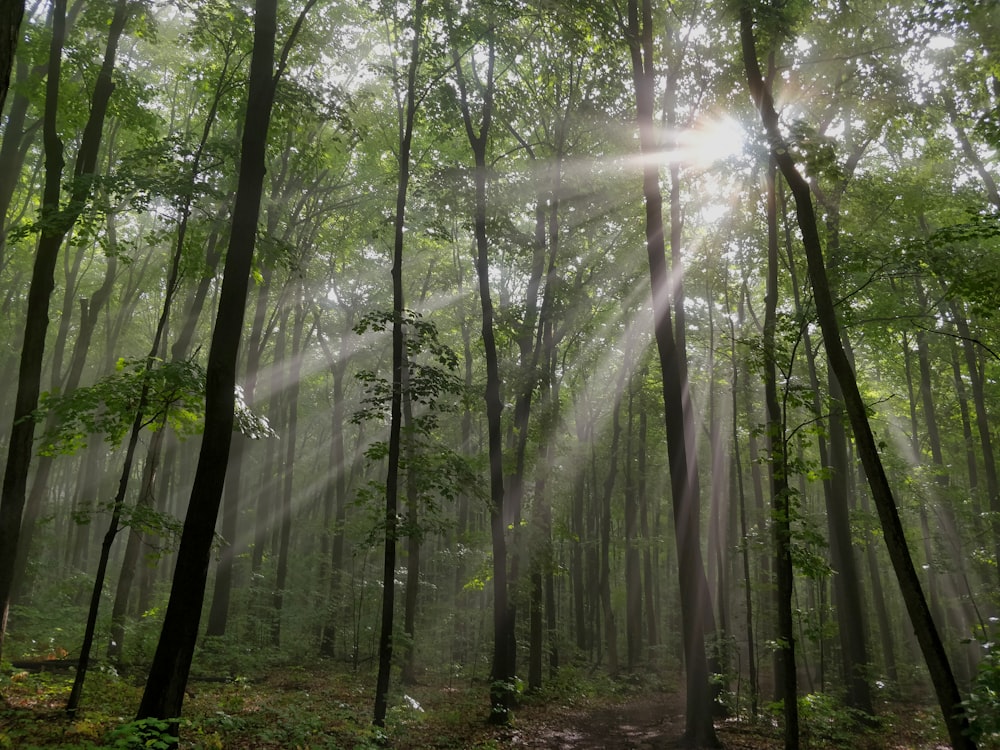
x: 699, y: 729
x: 164, y: 693
x: 10, y: 28
x: 55, y: 224
x: 406, y: 123
x: 949, y: 697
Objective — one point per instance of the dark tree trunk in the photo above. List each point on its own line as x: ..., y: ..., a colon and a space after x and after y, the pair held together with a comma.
x: 17, y: 139
x: 837, y: 494
x: 90, y: 311
x: 164, y: 693
x: 406, y: 121
x: 949, y: 697
x: 786, y: 686
x: 413, y: 535
x: 502, y: 695
x: 699, y: 729
x: 10, y: 26
x: 56, y: 224
x: 133, y: 549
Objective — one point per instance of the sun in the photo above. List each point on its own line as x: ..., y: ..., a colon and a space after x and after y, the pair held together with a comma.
x: 710, y: 140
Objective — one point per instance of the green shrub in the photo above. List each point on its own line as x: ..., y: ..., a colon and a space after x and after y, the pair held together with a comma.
x: 145, y: 734
x: 984, y: 701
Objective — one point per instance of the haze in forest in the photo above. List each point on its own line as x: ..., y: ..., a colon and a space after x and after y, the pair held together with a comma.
x: 469, y: 364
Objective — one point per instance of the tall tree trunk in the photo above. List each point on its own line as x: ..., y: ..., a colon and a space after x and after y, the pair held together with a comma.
x: 610, y: 627
x: 413, y: 534
x: 10, y: 26
x: 699, y: 729
x: 633, y: 578
x: 976, y: 381
x: 837, y: 493
x: 735, y: 387
x: 164, y: 693
x: 133, y: 549
x: 90, y: 311
x: 950, y: 699
x: 335, y: 494
x: 291, y: 408
x: 406, y: 120
x: 56, y: 224
x: 786, y: 686
x: 648, y: 589
x: 502, y: 689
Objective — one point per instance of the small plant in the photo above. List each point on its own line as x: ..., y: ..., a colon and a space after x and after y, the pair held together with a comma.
x: 150, y: 734
x: 983, y: 704
x: 826, y: 719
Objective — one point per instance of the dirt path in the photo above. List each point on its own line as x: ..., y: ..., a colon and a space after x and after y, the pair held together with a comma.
x: 637, y: 723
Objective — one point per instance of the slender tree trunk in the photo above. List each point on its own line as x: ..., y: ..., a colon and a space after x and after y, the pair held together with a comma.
x: 291, y: 407
x: 56, y: 225
x: 886, y: 634
x: 976, y: 381
x: 133, y: 549
x: 949, y: 697
x: 633, y: 579
x: 17, y: 139
x: 610, y: 626
x: 781, y: 493
x: 335, y: 496
x: 413, y: 535
x: 502, y: 690
x: 648, y: 588
x: 699, y: 729
x: 837, y: 493
x: 164, y: 693
x: 742, y: 511
x: 406, y: 121
x: 970, y: 152
x: 90, y: 311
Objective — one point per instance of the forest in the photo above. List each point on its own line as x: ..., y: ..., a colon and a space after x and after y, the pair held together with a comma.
x: 499, y: 373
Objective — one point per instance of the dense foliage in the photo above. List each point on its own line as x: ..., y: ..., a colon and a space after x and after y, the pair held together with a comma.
x: 491, y: 154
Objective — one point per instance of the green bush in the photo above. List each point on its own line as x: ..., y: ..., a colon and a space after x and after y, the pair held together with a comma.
x: 984, y: 701
x: 145, y: 734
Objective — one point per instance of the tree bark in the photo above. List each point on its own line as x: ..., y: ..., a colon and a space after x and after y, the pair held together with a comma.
x: 786, y: 686
x: 406, y: 121
x: 164, y: 693
x: 55, y: 226
x: 949, y: 697
x: 699, y: 729
x: 10, y: 32
x: 502, y: 695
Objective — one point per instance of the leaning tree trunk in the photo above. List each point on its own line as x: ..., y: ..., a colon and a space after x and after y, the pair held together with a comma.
x: 10, y: 26
x: 164, y: 693
x: 950, y: 699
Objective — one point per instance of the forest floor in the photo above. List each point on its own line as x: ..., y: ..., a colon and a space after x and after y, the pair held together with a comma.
x: 324, y: 708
